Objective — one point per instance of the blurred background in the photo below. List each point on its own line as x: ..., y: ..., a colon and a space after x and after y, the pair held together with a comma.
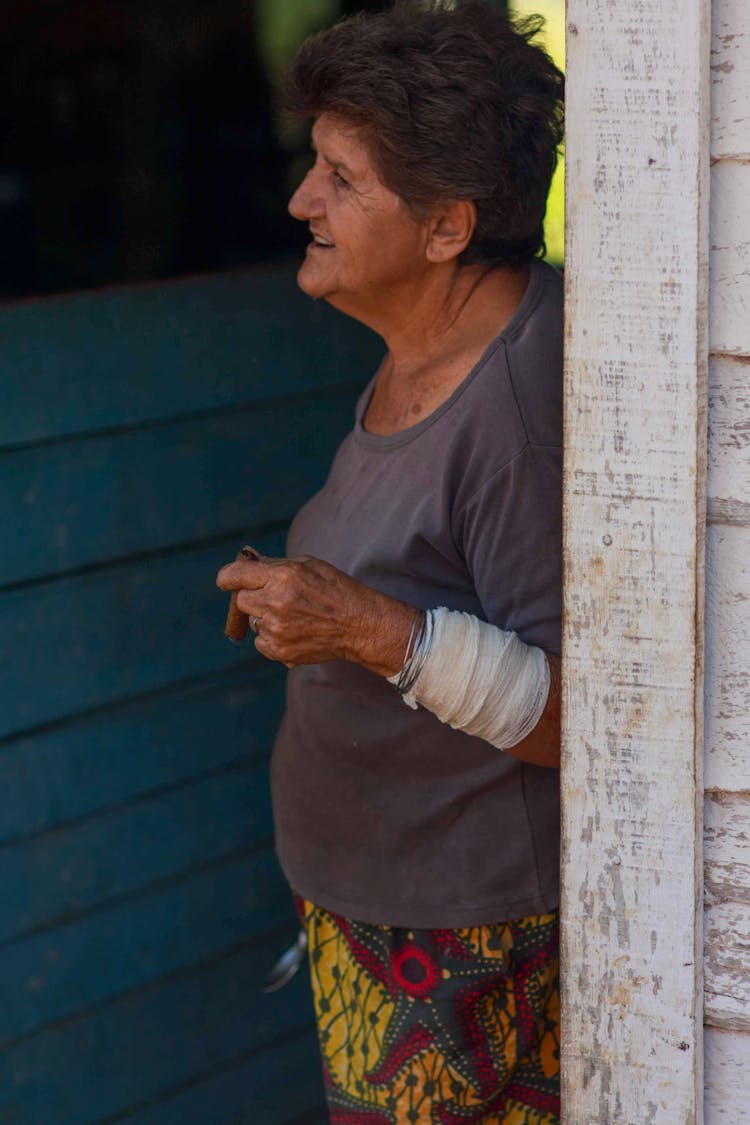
x: 140, y: 140
x: 168, y: 395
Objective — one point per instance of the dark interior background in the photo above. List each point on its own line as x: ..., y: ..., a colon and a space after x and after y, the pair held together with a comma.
x: 140, y: 139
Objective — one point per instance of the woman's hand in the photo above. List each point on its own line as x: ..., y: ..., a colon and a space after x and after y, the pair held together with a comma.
x: 306, y: 612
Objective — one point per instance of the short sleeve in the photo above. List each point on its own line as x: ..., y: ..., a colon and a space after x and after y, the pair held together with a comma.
x: 510, y: 535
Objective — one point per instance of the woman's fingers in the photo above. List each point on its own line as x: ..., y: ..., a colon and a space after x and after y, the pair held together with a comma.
x: 306, y: 611
x: 251, y: 603
x: 265, y: 648
x: 252, y: 571
x: 302, y: 610
x: 243, y: 574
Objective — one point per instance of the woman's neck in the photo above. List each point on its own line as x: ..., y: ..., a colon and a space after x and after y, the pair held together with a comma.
x: 430, y: 354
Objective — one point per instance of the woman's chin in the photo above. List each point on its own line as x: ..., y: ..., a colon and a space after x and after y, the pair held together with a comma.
x: 312, y: 281
x: 308, y: 278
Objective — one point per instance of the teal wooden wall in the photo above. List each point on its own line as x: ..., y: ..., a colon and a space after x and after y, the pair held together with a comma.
x: 145, y: 435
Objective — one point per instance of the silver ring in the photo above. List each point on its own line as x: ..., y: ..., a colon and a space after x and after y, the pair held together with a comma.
x: 255, y: 624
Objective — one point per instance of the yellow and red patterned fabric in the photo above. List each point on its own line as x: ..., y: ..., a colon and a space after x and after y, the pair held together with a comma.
x: 437, y: 1027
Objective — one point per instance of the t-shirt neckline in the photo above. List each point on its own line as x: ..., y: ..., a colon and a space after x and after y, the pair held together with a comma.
x: 402, y: 437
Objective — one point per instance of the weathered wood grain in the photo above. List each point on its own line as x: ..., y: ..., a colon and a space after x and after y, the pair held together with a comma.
x: 73, y: 504
x: 636, y: 389
x: 100, y: 761
x: 727, y: 1070
x: 727, y: 981
x: 65, y: 970
x: 731, y: 512
x: 730, y: 258
x: 285, y: 1083
x: 727, y: 847
x: 727, y: 706
x: 144, y: 433
x: 154, y: 1041
x: 727, y: 764
x: 124, y: 357
x: 728, y: 482
x: 730, y: 79
x: 53, y: 878
x: 118, y: 632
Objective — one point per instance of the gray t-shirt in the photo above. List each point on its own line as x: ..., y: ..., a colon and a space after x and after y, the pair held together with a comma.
x: 385, y: 814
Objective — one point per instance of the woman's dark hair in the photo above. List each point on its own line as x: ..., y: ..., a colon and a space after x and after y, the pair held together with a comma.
x: 453, y: 101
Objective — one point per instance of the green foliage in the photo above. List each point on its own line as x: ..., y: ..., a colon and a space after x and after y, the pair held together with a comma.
x: 553, y: 38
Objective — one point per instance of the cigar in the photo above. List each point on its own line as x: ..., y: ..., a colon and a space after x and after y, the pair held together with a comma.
x: 238, y: 623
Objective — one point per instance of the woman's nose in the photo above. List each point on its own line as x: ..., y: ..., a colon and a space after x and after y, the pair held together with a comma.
x: 305, y: 203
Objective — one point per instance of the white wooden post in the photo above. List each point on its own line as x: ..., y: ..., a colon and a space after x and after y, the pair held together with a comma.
x: 727, y: 772
x: 636, y: 359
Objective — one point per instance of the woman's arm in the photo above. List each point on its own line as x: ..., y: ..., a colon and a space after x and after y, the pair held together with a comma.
x: 309, y: 612
x: 542, y: 746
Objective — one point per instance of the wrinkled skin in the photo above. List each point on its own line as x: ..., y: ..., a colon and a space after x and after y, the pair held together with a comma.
x: 402, y: 276
x: 309, y: 612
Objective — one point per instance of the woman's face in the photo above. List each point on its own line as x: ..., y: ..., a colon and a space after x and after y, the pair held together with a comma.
x: 367, y: 252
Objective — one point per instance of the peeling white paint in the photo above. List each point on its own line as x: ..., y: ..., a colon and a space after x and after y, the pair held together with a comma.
x: 727, y: 756
x: 730, y: 257
x: 727, y: 1070
x: 636, y: 390
x: 730, y: 79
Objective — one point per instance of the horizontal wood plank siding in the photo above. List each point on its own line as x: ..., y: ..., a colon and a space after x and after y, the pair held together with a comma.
x: 727, y: 935
x: 171, y: 483
x: 83, y: 866
x: 727, y: 764
x: 279, y: 1076
x: 730, y: 43
x: 130, y: 940
x: 146, y: 435
x: 90, y: 764
x: 730, y: 258
x: 727, y: 1068
x: 727, y: 847
x: 729, y: 440
x: 129, y: 357
x: 131, y: 628
x: 727, y: 761
x: 112, y: 1058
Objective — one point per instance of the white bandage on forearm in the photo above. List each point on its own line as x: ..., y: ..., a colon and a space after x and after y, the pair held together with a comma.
x: 481, y: 679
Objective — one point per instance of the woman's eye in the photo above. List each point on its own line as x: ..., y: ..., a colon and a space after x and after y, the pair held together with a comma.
x: 340, y: 179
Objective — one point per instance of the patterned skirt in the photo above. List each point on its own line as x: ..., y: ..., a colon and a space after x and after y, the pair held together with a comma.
x: 437, y: 1027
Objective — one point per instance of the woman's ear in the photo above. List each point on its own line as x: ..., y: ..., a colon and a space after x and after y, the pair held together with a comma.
x: 450, y: 230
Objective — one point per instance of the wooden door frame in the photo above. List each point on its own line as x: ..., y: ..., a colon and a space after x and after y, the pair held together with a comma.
x: 636, y: 278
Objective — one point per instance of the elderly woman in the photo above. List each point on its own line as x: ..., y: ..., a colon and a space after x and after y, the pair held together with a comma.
x: 415, y: 796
